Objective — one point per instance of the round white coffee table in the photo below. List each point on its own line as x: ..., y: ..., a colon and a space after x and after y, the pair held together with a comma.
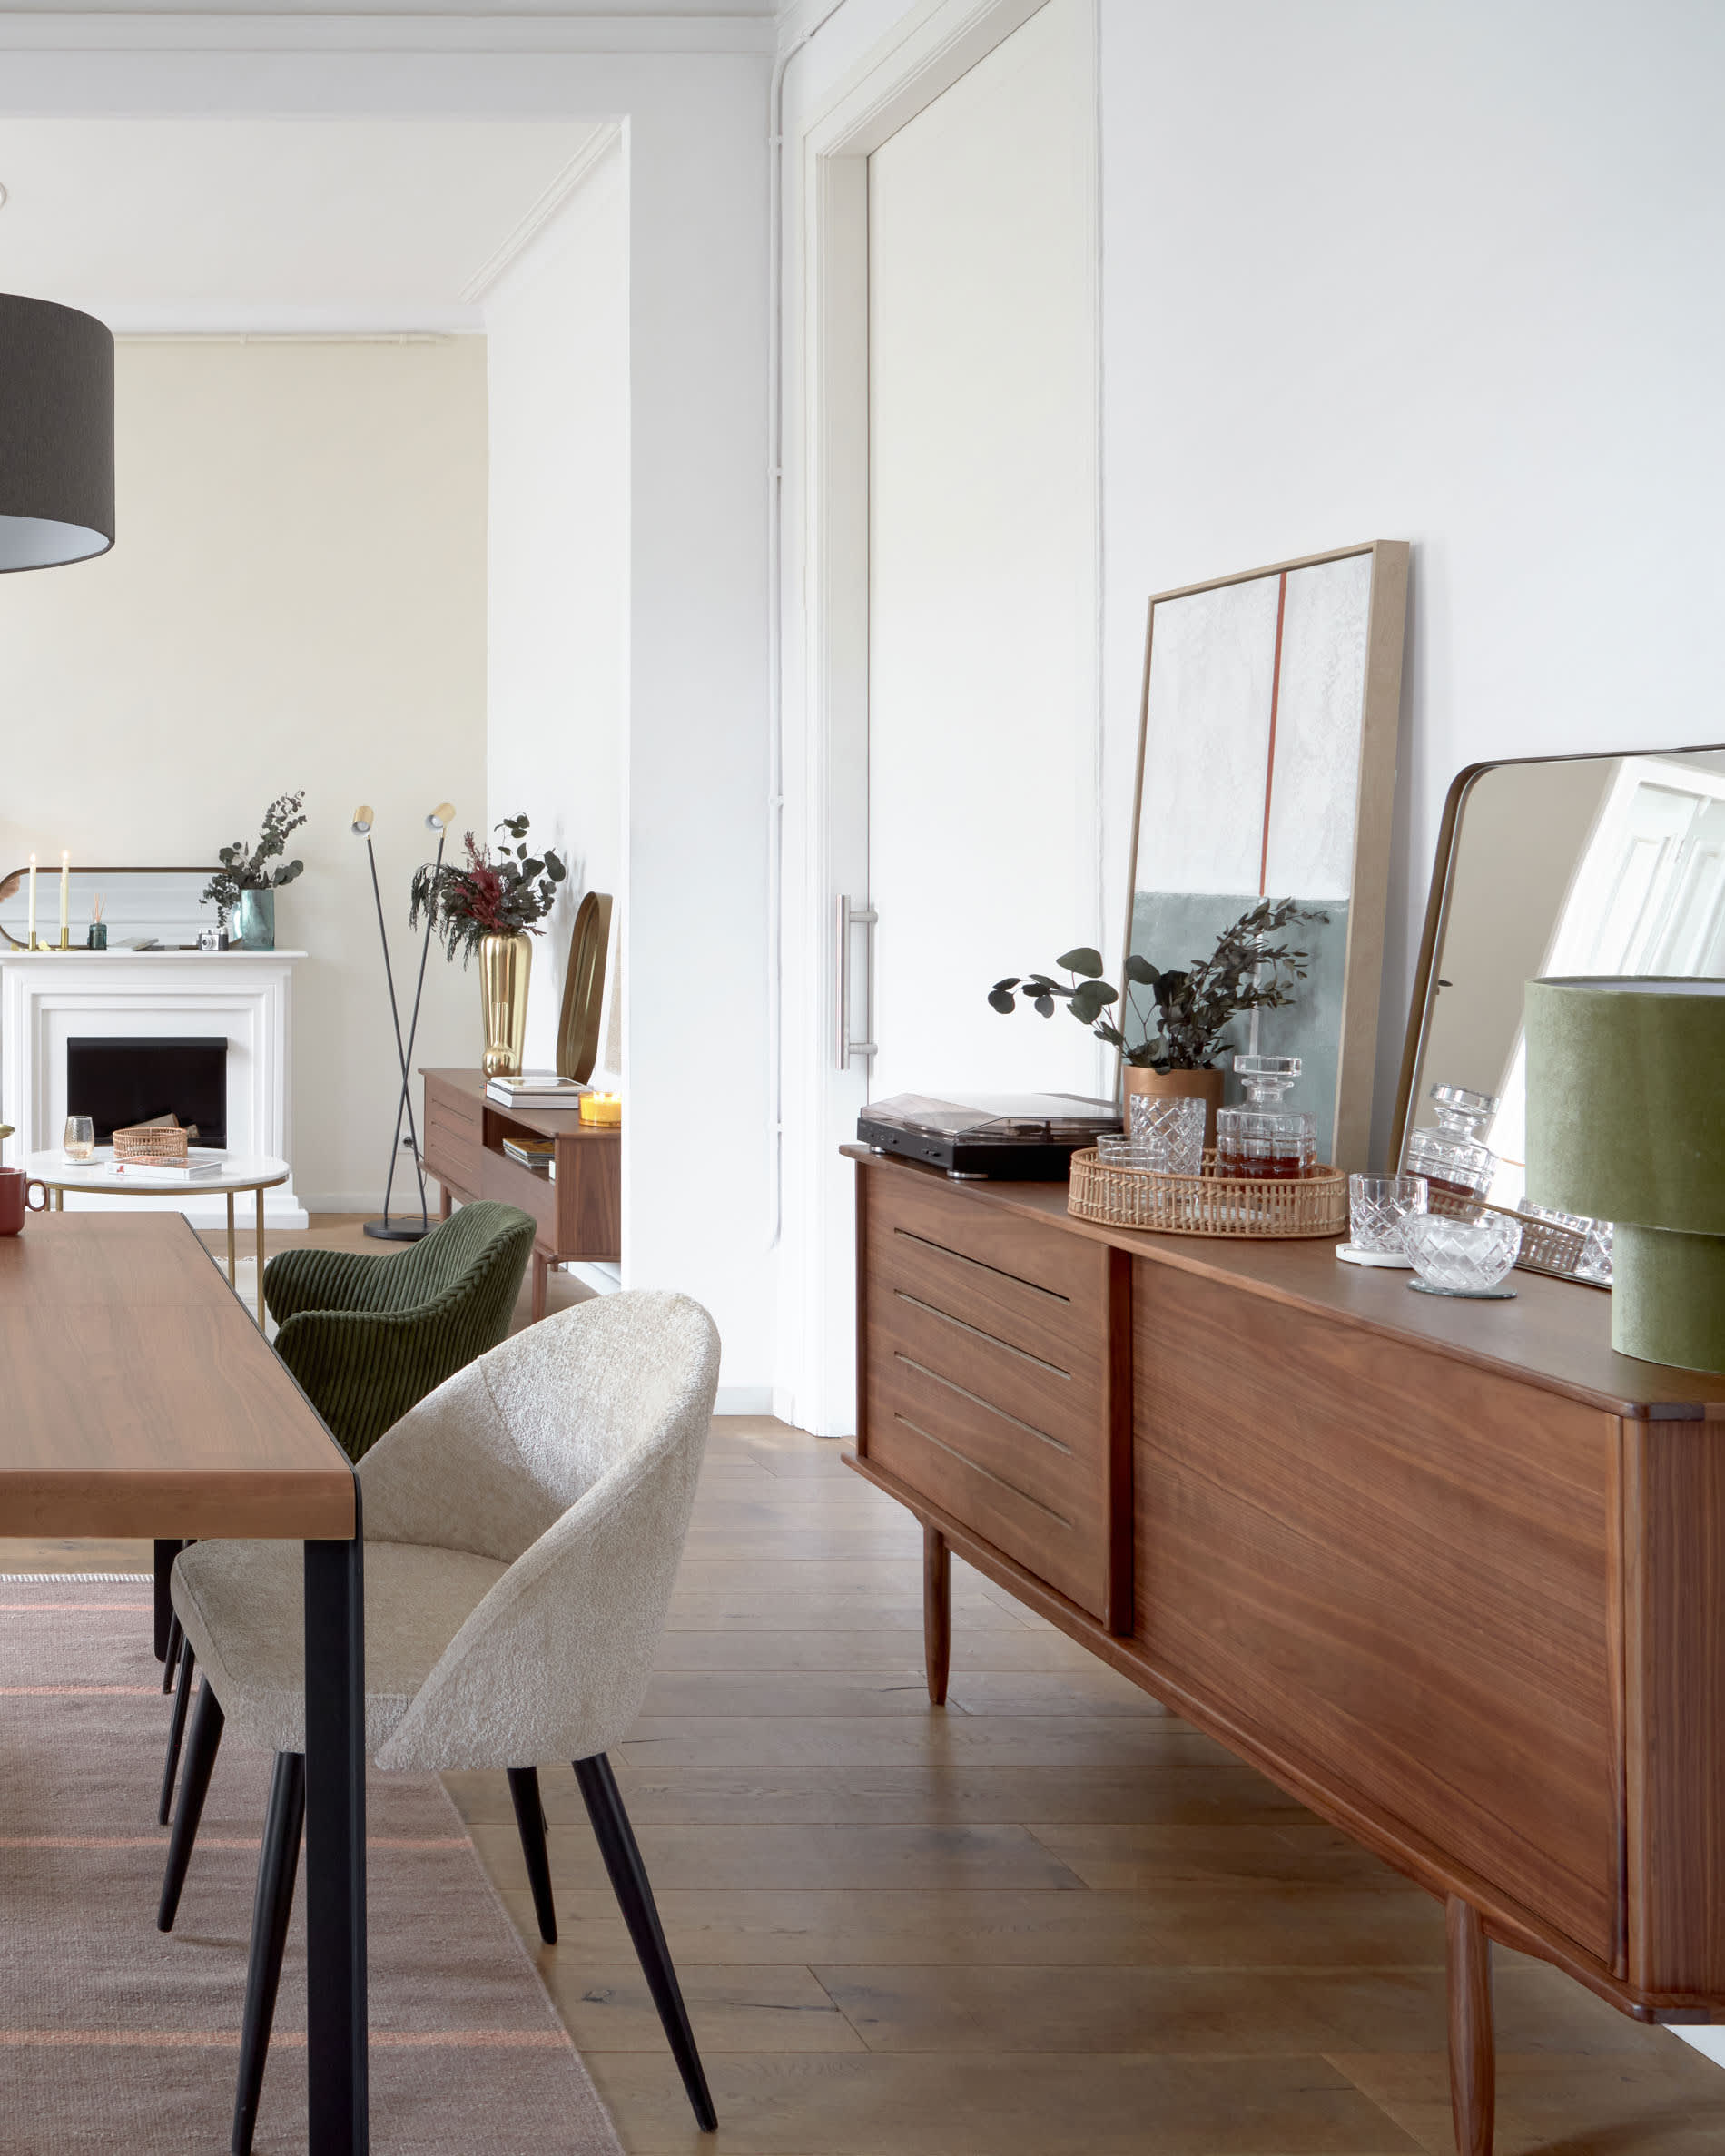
x: 235, y: 1172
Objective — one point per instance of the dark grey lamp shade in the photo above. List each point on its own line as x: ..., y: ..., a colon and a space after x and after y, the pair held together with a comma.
x: 56, y: 434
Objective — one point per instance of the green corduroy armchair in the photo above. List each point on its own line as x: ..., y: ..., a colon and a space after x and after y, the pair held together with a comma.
x: 367, y: 1337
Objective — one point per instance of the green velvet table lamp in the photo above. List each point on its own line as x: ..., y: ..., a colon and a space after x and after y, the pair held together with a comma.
x: 1626, y: 1123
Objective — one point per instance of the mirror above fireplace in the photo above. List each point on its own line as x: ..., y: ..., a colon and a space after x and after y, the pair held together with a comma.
x: 153, y: 909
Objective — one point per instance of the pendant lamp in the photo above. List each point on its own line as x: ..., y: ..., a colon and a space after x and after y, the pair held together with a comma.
x: 56, y: 434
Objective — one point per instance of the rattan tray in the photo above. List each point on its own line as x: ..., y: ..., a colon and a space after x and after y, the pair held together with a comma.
x: 1207, y: 1204
x: 160, y: 1141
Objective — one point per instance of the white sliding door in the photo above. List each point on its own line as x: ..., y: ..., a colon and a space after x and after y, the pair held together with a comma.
x: 982, y: 803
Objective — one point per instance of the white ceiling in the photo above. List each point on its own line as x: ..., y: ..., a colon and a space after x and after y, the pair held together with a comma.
x: 646, y: 10
x: 280, y: 224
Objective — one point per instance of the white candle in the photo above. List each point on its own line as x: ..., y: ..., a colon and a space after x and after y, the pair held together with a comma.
x: 32, y: 944
x: 65, y: 900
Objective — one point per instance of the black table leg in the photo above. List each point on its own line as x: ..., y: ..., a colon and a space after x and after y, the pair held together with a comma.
x: 335, y: 1844
x: 166, y: 1554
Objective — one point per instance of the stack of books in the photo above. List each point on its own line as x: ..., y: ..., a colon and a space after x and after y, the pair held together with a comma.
x: 164, y: 1171
x: 537, y: 1153
x: 535, y: 1089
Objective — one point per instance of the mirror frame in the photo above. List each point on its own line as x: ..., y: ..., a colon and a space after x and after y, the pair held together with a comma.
x: 1374, y: 811
x: 584, y: 988
x: 1437, y: 907
x: 9, y: 943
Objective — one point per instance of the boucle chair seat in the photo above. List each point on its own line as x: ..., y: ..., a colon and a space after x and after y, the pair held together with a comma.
x: 243, y: 1607
x: 523, y: 1529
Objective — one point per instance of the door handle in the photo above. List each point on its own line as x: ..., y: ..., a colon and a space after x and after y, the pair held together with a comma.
x: 852, y: 917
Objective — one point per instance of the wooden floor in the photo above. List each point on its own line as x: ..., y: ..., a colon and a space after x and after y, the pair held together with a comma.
x: 1047, y: 1920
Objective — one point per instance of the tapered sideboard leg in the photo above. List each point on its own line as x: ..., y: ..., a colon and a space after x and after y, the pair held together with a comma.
x: 937, y: 1612
x: 1473, y: 2044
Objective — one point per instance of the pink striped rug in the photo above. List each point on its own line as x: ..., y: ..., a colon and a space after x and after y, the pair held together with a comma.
x: 116, y: 2038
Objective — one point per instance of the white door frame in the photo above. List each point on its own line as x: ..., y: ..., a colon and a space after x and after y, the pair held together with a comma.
x: 826, y: 683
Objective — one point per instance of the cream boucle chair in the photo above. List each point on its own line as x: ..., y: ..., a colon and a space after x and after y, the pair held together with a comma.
x: 523, y: 1528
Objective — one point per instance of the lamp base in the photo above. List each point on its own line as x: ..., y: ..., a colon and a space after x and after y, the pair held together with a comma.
x: 396, y: 1231
x: 1668, y: 1296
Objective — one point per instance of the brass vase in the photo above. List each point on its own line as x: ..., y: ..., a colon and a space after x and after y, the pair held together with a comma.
x: 1199, y: 1085
x: 505, y: 962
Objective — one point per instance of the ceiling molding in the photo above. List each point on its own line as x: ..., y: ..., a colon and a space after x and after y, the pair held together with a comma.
x: 271, y: 322
x: 715, y: 36
x: 555, y: 195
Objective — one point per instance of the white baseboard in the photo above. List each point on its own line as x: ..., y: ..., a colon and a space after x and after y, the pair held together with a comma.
x: 369, y: 1202
x: 603, y: 1278
x: 743, y: 1400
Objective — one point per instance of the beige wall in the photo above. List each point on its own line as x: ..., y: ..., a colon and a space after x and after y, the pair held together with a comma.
x: 295, y: 598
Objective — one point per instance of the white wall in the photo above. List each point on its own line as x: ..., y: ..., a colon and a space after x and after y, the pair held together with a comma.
x: 1432, y: 273
x: 295, y: 599
x: 557, y: 338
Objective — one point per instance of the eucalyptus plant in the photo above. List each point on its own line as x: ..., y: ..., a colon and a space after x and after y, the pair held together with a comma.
x: 1180, y: 1025
x: 243, y: 871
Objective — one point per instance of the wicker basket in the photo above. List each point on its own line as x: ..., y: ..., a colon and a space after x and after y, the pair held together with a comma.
x: 1546, y: 1247
x: 161, y: 1143
x: 1207, y: 1204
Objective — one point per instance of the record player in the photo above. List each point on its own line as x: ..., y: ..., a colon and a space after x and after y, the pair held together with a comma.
x: 1022, y: 1137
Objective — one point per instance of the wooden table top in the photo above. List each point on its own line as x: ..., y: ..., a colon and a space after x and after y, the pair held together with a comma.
x: 1557, y: 1334
x: 137, y: 1397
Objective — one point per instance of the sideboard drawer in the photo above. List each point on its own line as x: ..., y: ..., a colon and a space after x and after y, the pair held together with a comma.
x: 452, y: 1148
x: 985, y: 1385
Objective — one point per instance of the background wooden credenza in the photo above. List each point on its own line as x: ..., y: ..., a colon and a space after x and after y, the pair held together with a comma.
x: 1451, y: 1573
x: 580, y: 1215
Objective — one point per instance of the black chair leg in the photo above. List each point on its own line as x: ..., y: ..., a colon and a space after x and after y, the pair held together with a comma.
x: 165, y: 1553
x: 171, y: 1661
x: 278, y: 1863
x: 202, y: 1742
x: 617, y: 1842
x: 529, y: 1819
x: 176, y: 1730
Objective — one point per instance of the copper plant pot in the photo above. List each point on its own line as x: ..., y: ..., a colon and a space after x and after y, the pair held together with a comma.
x: 1179, y: 1085
x: 505, y: 963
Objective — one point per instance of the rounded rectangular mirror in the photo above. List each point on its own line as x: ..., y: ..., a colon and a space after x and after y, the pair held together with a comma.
x: 1608, y: 864
x: 145, y: 909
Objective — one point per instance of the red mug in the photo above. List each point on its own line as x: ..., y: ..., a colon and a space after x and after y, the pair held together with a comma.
x: 15, y: 1198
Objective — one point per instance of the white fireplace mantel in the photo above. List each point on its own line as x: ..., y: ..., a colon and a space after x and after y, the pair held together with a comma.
x: 45, y: 997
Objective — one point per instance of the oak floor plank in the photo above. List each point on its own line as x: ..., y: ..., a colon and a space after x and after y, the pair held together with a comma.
x: 999, y: 2104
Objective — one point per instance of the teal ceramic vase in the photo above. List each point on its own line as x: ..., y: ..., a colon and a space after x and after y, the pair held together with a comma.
x: 255, y: 921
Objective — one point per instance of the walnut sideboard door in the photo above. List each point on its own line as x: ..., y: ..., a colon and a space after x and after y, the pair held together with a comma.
x: 993, y: 1384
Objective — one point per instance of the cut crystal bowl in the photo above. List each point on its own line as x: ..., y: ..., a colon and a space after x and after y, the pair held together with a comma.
x: 1463, y: 1257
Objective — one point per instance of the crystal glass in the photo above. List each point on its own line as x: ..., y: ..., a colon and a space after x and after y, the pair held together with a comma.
x: 1453, y: 1157
x: 1594, y: 1260
x: 80, y: 1140
x: 1377, y: 1208
x: 1166, y: 1133
x: 1462, y: 1257
x: 1264, y: 1139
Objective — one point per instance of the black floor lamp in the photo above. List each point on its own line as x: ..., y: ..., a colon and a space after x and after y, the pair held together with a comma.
x: 388, y: 1230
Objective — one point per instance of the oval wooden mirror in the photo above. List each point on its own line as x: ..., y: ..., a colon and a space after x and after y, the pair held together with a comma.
x: 584, y: 988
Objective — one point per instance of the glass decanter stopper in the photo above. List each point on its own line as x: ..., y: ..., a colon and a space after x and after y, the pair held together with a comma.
x: 1264, y: 1139
x: 1453, y: 1158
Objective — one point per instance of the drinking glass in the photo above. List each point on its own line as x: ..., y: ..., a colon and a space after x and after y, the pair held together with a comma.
x: 1377, y: 1208
x: 80, y: 1138
x: 1166, y: 1133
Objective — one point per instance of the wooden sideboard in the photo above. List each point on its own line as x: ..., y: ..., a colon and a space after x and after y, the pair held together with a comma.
x: 579, y: 1215
x: 1451, y: 1573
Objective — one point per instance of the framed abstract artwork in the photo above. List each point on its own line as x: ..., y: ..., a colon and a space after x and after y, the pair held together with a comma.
x: 1266, y: 771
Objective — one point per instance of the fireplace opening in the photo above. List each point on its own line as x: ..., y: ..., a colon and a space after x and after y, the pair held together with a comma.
x: 117, y: 1079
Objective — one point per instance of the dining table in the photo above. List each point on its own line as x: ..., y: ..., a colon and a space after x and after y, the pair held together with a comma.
x: 139, y: 1399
